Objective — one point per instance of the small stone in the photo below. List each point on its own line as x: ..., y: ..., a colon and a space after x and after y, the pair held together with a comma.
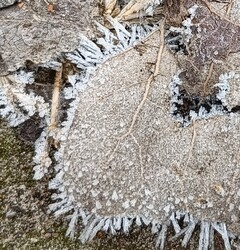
x: 126, y: 204
x: 167, y: 209
x: 98, y: 205
x: 11, y: 214
x: 95, y: 182
x: 34, y: 240
x: 177, y: 201
x: 150, y: 206
x: 114, y: 196
x: 219, y: 189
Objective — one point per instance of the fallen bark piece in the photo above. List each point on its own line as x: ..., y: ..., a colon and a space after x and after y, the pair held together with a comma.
x: 145, y: 171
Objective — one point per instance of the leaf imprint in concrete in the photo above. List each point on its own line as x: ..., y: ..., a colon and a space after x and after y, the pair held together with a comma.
x: 127, y: 155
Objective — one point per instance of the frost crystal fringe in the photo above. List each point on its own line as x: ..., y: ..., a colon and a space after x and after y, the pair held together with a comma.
x: 184, y: 33
x: 162, y: 236
x: 176, y: 99
x: 41, y: 158
x: 12, y: 91
x: 114, y: 224
x: 17, y: 106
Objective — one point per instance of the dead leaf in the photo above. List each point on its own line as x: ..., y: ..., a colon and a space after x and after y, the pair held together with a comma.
x: 51, y: 8
x: 20, y: 5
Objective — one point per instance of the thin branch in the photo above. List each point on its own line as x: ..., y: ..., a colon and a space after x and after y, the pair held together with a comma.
x: 229, y: 8
x: 55, y: 99
x: 213, y: 11
x: 205, y: 84
x: 147, y: 88
x: 192, y: 144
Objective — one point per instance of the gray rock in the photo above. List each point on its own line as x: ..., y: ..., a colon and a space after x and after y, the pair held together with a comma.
x: 6, y: 3
x: 32, y: 33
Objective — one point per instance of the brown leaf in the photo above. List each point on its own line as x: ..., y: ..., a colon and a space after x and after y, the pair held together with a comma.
x: 20, y: 5
x: 51, y: 8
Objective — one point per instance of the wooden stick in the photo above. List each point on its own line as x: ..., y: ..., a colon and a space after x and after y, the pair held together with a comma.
x: 229, y: 8
x: 205, y: 84
x: 109, y: 6
x: 55, y: 99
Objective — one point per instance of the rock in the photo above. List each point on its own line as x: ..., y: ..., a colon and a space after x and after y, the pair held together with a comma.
x: 6, y: 3
x: 40, y: 36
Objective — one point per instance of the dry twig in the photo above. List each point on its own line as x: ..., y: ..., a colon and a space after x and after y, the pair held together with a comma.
x: 147, y: 88
x: 55, y: 99
x: 229, y: 8
x: 192, y: 144
x: 205, y: 84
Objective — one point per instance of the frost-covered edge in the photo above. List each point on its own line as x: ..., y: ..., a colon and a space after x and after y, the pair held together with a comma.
x: 222, y: 90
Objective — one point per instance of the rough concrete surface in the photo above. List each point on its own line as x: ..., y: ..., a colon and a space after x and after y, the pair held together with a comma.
x: 32, y: 33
